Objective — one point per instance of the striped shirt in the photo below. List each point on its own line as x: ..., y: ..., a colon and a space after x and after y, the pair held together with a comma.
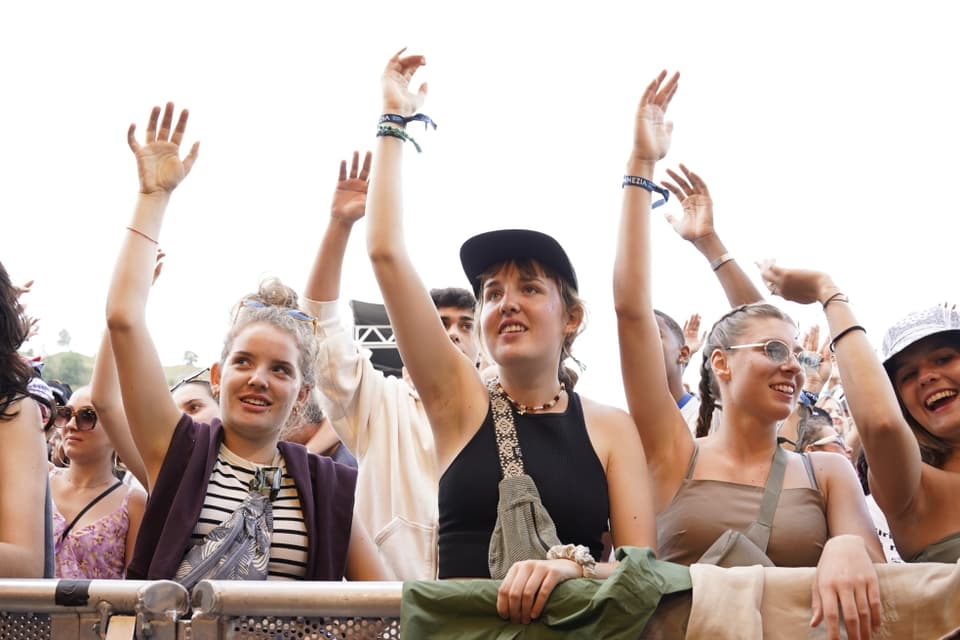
x: 229, y: 485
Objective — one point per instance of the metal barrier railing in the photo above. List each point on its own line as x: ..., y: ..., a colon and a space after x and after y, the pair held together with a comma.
x: 90, y: 609
x: 308, y: 610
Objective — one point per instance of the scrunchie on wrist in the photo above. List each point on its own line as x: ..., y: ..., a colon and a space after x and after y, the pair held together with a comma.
x: 577, y: 553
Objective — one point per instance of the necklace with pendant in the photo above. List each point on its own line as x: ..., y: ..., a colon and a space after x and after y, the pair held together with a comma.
x: 522, y: 408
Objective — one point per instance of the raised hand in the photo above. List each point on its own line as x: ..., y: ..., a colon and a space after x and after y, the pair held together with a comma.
x: 350, y: 196
x: 23, y: 288
x: 158, y: 160
x: 803, y: 286
x: 33, y: 327
x: 395, y: 82
x: 692, y: 193
x: 651, y: 136
x: 691, y: 334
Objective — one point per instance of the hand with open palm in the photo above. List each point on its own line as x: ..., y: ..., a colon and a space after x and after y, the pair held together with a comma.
x: 350, y: 196
x: 158, y: 159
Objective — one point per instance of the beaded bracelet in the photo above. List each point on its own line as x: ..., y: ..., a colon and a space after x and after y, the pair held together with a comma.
x: 396, y: 118
x: 637, y: 181
x: 394, y: 132
x: 577, y: 553
x: 833, y: 343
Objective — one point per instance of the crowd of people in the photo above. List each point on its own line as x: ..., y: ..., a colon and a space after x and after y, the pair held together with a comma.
x: 293, y: 457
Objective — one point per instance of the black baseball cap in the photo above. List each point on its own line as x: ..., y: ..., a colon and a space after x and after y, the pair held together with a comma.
x: 482, y: 251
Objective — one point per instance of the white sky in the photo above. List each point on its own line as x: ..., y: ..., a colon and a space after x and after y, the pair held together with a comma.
x: 825, y: 130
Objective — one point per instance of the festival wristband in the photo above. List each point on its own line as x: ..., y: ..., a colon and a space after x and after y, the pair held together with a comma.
x: 404, y: 120
x: 637, y: 181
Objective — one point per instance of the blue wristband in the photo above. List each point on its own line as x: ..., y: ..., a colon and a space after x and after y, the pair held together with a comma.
x: 637, y: 181
x: 404, y: 120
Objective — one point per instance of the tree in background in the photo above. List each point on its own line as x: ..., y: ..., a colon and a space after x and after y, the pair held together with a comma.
x: 190, y: 358
x: 64, y: 339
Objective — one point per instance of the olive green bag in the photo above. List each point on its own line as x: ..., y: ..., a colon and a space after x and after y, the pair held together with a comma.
x: 524, y: 530
x: 743, y: 549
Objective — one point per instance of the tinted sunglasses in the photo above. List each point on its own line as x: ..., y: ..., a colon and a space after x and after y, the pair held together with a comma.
x: 188, y: 379
x: 86, y: 417
x: 780, y: 352
x: 296, y: 314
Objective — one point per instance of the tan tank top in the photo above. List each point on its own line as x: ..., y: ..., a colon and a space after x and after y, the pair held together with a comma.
x: 703, y: 509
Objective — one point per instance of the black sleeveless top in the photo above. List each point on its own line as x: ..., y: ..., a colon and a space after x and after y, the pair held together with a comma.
x: 557, y: 454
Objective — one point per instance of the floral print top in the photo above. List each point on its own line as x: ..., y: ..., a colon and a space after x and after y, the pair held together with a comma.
x: 95, y: 551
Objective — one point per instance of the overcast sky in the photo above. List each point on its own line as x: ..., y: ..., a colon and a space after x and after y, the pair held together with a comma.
x: 826, y: 131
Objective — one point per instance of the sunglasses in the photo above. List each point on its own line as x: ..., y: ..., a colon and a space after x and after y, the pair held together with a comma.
x: 86, y: 417
x: 836, y: 439
x: 296, y: 314
x: 188, y: 379
x: 780, y: 352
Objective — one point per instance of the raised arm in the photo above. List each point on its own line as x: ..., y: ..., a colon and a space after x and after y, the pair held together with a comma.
x: 890, y: 445
x: 150, y: 410
x: 106, y: 398
x: 349, y: 201
x: 438, y: 369
x: 696, y: 227
x: 666, y: 439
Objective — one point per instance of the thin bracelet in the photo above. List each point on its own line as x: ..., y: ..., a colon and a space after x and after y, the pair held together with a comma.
x: 833, y: 343
x: 143, y: 235
x: 394, y: 132
x: 637, y: 181
x: 842, y: 297
x: 716, y: 263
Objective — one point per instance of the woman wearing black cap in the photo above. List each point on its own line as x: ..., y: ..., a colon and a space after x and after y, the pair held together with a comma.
x: 585, y: 458
x: 906, y: 410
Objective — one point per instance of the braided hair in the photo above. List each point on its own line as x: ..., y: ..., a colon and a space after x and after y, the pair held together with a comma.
x: 724, y: 332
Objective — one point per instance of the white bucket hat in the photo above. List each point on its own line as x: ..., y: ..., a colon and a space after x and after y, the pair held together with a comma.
x: 917, y: 326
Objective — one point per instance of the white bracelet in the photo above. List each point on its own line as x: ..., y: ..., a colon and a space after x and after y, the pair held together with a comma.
x: 576, y: 553
x: 719, y: 262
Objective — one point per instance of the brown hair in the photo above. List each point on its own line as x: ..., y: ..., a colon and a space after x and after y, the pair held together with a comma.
x: 572, y: 305
x: 724, y: 333
x: 933, y: 450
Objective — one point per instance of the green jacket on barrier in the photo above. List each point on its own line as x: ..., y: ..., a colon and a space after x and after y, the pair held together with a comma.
x: 618, y: 607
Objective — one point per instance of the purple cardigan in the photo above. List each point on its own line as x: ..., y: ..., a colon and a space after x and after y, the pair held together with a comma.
x: 325, y: 488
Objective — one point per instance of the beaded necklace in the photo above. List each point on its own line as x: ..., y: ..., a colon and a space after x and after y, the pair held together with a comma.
x: 522, y: 408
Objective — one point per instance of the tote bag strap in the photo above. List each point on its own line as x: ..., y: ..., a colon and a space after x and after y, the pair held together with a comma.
x: 759, y: 531
x: 508, y: 446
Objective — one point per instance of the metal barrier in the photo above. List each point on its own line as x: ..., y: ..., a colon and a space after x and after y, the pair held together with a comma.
x: 90, y: 609
x: 295, y: 610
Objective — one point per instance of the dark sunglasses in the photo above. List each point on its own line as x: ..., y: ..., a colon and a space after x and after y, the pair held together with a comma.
x: 188, y: 379
x: 86, y: 417
x: 779, y: 352
x: 296, y: 314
